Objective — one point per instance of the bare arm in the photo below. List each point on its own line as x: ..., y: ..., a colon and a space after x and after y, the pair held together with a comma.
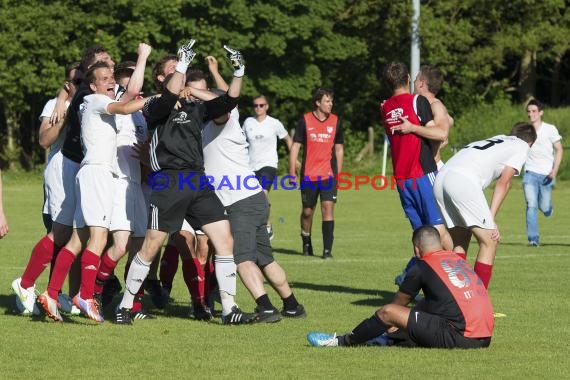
x: 137, y: 79
x: 501, y: 189
x: 198, y: 93
x: 558, y: 153
x: 60, y: 106
x: 213, y: 67
x: 126, y: 108
x: 235, y: 87
x: 3, y: 221
x: 293, y: 153
x: 430, y: 131
x: 49, y: 132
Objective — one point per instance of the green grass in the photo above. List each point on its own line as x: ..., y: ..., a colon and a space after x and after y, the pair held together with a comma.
x: 372, y: 245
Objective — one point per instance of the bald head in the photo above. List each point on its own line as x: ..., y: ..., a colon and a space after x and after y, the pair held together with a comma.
x: 426, y: 239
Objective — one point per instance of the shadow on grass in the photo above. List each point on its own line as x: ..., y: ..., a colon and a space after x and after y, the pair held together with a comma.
x: 8, y: 305
x: 375, y: 297
x: 285, y: 251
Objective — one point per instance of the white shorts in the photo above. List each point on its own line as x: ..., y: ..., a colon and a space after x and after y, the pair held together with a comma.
x: 187, y: 227
x: 59, y: 187
x: 94, y: 189
x: 461, y: 201
x: 130, y: 212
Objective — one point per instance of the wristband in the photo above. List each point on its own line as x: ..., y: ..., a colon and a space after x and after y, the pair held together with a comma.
x: 181, y: 67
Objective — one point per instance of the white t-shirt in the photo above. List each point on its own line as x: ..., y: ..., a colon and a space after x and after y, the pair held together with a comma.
x: 484, y: 161
x: 262, y: 137
x: 47, y: 112
x: 226, y: 159
x: 98, y: 132
x: 541, y: 156
x: 132, y: 128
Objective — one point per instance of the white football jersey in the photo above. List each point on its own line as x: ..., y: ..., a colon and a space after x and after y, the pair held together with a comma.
x: 98, y: 132
x: 484, y: 160
x: 262, y: 137
x: 541, y: 156
x: 226, y: 160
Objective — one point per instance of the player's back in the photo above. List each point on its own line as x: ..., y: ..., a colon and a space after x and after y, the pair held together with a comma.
x: 485, y: 160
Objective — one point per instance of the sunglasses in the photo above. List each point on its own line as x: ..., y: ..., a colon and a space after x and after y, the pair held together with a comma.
x: 259, y: 105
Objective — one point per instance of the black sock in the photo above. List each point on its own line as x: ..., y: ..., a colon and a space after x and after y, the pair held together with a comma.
x: 366, y: 330
x: 290, y: 303
x: 328, y: 235
x: 264, y: 302
x: 306, y: 240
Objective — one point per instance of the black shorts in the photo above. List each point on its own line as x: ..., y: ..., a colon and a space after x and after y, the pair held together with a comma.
x: 248, y: 220
x: 428, y: 330
x: 310, y: 191
x: 267, y: 177
x: 183, y: 198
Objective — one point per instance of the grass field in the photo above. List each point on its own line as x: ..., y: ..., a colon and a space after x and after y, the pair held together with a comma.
x: 530, y: 286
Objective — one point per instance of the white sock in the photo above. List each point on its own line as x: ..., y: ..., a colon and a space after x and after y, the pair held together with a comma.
x: 137, y: 273
x: 225, y: 269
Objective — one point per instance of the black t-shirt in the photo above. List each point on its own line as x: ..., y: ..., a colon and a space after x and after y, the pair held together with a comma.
x: 176, y: 142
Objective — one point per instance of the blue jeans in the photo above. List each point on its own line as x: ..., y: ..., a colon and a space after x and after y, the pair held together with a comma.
x: 537, y: 196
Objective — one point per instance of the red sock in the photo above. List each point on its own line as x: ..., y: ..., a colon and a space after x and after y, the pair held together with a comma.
x: 106, y: 269
x: 168, y: 264
x: 484, y: 271
x: 137, y: 302
x: 463, y: 255
x: 194, y: 278
x: 89, y: 269
x: 39, y: 260
x: 210, y: 276
x: 62, y: 265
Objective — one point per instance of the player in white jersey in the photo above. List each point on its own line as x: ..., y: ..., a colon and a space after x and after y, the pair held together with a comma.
x: 62, y: 171
x: 94, y: 189
x: 130, y: 210
x: 459, y: 187
x: 262, y: 132
x: 541, y: 168
x: 226, y: 161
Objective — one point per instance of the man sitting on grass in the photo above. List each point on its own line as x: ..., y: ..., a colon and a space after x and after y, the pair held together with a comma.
x: 456, y: 311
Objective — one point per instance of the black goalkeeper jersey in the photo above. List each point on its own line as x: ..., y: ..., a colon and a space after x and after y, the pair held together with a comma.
x: 176, y: 142
x: 72, y: 144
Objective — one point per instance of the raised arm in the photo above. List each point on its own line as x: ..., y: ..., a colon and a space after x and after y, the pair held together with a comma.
x: 137, y: 79
x: 49, y: 132
x: 214, y: 71
x: 60, y: 106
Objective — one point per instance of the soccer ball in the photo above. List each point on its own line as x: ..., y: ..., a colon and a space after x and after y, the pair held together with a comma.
x: 66, y: 304
x: 23, y: 311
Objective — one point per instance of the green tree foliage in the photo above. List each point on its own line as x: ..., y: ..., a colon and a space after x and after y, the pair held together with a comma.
x: 291, y: 47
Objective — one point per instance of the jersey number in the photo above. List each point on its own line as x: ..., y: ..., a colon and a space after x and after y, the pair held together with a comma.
x: 488, y: 145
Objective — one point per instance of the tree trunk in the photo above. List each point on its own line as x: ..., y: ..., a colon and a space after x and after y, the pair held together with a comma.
x: 527, y: 81
x: 555, y: 82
